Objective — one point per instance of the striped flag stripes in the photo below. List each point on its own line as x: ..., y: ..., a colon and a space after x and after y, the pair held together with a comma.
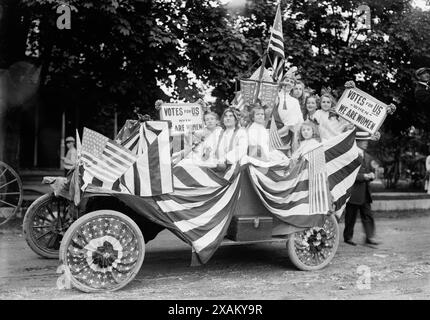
x: 276, y: 46
x: 198, y: 203
x: 151, y: 174
x: 300, y: 196
x: 318, y: 190
x: 103, y: 159
x: 180, y: 145
x: 275, y: 141
x: 201, y: 206
x: 238, y: 101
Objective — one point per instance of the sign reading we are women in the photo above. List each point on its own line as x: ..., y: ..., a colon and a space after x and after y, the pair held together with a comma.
x: 362, y: 110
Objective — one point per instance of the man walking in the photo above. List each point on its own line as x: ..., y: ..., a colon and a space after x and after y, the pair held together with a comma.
x: 361, y: 197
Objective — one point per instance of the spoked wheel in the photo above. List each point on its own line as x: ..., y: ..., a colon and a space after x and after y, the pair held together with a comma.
x: 102, y: 251
x: 45, y: 224
x: 314, y: 248
x: 10, y: 193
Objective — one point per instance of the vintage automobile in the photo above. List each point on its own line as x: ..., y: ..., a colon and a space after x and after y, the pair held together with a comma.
x: 53, y: 225
x: 101, y: 240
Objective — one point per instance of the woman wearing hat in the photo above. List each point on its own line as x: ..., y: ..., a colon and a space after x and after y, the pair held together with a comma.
x: 71, y: 155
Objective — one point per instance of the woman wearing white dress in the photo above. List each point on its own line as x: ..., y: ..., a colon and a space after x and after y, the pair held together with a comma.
x: 258, y: 138
x: 287, y: 113
x: 232, y: 141
x: 224, y: 146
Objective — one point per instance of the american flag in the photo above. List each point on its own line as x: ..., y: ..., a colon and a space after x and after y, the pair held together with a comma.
x: 238, y: 101
x: 104, y: 160
x: 318, y: 189
x: 203, y: 202
x: 275, y: 141
x: 299, y: 195
x: 151, y: 174
x: 276, y: 46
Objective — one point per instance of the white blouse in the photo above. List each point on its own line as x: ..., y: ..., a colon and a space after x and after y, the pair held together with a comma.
x: 289, y: 110
x: 328, y: 127
x: 306, y: 146
x: 232, y: 146
x: 258, y: 139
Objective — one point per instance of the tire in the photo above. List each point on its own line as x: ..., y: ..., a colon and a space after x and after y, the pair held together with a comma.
x: 102, y: 251
x: 11, y: 194
x: 308, y: 257
x: 42, y: 230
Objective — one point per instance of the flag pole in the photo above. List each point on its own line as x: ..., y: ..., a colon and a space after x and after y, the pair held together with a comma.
x: 263, y: 62
x: 260, y: 76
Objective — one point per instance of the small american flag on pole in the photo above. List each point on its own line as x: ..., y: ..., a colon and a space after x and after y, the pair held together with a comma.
x: 238, y: 101
x: 103, y: 158
x: 275, y: 141
x: 276, y: 46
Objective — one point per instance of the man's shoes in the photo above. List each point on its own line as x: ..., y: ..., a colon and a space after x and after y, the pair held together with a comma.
x: 350, y: 242
x: 372, y: 242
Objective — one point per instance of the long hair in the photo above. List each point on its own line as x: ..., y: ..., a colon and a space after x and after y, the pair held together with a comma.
x: 315, y: 131
x: 317, y: 100
x: 235, y: 115
x: 333, y: 101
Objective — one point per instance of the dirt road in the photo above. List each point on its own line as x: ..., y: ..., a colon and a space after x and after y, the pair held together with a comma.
x: 398, y: 269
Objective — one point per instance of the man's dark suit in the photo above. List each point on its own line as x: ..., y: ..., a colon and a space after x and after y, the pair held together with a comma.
x: 422, y: 95
x: 360, y: 201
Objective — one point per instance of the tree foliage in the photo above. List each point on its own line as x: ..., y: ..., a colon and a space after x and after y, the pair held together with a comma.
x: 119, y: 54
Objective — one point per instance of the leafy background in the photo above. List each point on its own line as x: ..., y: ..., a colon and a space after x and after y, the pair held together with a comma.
x: 118, y: 53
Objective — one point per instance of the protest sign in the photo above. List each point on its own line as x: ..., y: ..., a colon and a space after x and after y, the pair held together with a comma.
x: 361, y: 109
x: 185, y: 117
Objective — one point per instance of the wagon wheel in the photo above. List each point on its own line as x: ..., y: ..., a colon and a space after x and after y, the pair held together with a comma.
x: 45, y: 223
x: 314, y: 248
x: 102, y: 251
x: 10, y: 193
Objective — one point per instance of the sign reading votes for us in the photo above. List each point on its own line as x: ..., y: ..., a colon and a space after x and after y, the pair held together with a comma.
x: 361, y: 109
x: 185, y: 117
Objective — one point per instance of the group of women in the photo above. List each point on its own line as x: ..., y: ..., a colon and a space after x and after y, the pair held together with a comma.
x: 301, y: 121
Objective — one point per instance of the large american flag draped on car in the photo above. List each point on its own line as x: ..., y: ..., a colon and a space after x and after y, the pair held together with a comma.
x: 298, y: 195
x: 203, y: 201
